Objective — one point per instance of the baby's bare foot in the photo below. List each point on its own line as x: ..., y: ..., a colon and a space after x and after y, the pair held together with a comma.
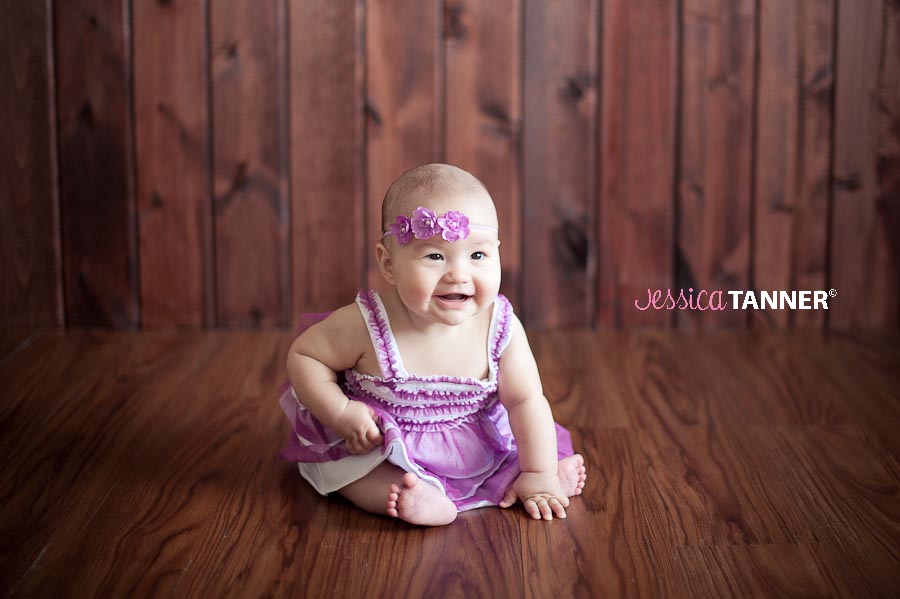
x: 417, y: 502
x: 572, y: 474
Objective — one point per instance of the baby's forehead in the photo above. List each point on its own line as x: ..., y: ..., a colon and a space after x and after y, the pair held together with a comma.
x: 476, y: 205
x: 475, y: 238
x: 476, y: 241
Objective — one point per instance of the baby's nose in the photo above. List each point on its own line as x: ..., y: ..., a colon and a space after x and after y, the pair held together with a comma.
x: 457, y: 273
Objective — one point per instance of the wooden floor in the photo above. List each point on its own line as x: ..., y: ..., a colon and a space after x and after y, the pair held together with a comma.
x: 720, y: 465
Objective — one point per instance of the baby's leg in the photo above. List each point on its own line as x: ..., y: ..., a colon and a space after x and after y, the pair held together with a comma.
x: 390, y: 491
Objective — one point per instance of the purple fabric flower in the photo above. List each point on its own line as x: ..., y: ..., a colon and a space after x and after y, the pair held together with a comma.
x: 424, y: 223
x: 454, y: 226
x: 402, y: 230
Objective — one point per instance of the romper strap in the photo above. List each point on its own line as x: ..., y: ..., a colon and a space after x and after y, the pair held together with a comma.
x: 502, y: 327
x: 380, y: 332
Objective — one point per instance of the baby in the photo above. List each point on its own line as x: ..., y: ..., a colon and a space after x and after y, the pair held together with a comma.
x: 426, y: 401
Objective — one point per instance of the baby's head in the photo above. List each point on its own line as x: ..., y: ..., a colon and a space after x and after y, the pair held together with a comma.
x: 442, y: 253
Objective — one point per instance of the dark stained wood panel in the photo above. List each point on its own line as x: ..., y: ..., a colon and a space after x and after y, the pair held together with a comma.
x: 483, y: 55
x: 810, y: 257
x: 82, y: 428
x: 888, y: 159
x: 30, y: 283
x: 586, y: 394
x: 95, y: 155
x: 636, y: 164
x: 175, y: 163
x: 744, y: 463
x: 327, y: 58
x: 559, y: 150
x: 769, y: 570
x: 431, y: 559
x: 15, y: 339
x: 404, y: 103
x: 715, y: 154
x: 172, y: 154
x: 795, y: 89
x: 865, y: 245
x: 249, y: 157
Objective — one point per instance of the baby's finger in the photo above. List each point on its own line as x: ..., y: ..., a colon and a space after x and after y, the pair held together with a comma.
x: 557, y: 507
x: 545, y: 509
x: 355, y: 446
x: 364, y: 445
x: 374, y: 436
x: 509, y: 499
x: 532, y: 509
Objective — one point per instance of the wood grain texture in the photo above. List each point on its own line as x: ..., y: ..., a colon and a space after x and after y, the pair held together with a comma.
x: 559, y: 149
x: 31, y: 279
x: 716, y: 153
x: 141, y: 442
x: 865, y: 265
x: 172, y: 153
x: 203, y: 149
x: 810, y: 255
x: 249, y: 152
x: 15, y: 339
x: 635, y: 226
x: 483, y: 56
x: 887, y: 161
x: 793, y: 132
x: 738, y: 464
x: 404, y: 103
x: 95, y: 153
x: 327, y: 153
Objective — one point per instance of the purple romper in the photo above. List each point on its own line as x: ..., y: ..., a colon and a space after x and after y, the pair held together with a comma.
x: 451, y: 431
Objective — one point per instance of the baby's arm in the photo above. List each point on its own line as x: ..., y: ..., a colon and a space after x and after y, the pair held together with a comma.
x: 314, y: 360
x: 533, y: 427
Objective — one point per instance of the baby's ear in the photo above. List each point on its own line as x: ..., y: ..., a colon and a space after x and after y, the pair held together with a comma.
x: 385, y: 263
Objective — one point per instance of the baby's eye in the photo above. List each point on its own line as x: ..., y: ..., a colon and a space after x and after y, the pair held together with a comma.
x: 434, y: 257
x: 478, y: 256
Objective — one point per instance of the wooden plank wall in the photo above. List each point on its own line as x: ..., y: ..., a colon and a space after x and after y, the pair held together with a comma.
x: 221, y: 164
x: 30, y: 262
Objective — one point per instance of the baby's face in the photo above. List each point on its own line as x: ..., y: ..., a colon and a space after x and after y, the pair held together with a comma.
x: 449, y: 282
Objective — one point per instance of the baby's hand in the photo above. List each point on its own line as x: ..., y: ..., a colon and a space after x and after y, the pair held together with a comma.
x: 540, y: 493
x: 357, y: 426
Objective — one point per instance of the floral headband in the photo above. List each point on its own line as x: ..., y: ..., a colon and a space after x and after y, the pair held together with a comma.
x: 425, y: 224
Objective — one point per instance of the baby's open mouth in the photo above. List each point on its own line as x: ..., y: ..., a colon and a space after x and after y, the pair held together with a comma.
x: 454, y: 297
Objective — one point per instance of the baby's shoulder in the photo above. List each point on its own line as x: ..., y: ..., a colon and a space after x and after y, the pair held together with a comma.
x: 337, y: 340
x: 344, y: 323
